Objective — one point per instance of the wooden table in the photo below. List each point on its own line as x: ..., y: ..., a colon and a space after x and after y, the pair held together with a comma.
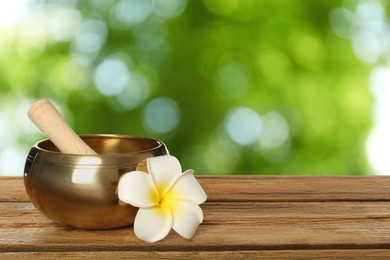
x: 245, y: 217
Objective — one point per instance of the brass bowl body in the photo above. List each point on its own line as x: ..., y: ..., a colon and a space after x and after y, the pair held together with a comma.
x: 81, y: 191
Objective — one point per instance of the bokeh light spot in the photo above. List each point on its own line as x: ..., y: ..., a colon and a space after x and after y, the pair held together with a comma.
x: 111, y: 76
x: 161, y: 115
x: 136, y: 91
x: 91, y: 36
x: 132, y: 11
x: 243, y: 125
x: 275, y: 130
x: 342, y: 22
x: 366, y: 46
x: 169, y: 8
x: 64, y: 24
x: 373, y: 15
x: 367, y: 28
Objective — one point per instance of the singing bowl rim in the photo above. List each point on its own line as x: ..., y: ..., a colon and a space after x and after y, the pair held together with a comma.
x: 159, y: 144
x: 38, y: 144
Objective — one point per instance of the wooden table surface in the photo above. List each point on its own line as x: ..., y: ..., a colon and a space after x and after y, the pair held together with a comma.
x: 244, y: 217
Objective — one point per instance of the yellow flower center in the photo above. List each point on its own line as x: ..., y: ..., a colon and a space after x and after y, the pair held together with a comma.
x: 167, y: 200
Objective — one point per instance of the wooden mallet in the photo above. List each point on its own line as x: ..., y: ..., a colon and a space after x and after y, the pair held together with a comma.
x: 47, y: 118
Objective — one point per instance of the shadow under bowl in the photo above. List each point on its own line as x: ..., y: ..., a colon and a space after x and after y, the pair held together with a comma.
x: 81, y: 190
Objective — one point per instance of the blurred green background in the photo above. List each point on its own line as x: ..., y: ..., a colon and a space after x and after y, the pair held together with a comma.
x: 231, y: 86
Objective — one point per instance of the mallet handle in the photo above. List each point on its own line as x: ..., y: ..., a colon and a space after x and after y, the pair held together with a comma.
x: 47, y: 118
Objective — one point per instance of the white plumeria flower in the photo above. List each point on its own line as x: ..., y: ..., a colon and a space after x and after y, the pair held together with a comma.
x: 167, y: 199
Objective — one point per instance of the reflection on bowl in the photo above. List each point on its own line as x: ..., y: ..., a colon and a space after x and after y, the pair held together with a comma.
x: 80, y: 190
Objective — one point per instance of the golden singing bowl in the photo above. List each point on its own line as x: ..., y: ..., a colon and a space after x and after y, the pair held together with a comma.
x: 80, y: 190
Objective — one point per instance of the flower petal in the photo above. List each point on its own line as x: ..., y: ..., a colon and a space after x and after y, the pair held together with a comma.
x: 187, y: 216
x: 164, y: 170
x: 137, y: 189
x: 188, y: 188
x: 153, y: 224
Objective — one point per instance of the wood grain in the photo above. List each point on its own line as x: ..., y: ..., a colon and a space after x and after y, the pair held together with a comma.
x: 12, y: 189
x: 248, y: 254
x: 263, y: 188
x: 245, y: 217
x: 293, y: 188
